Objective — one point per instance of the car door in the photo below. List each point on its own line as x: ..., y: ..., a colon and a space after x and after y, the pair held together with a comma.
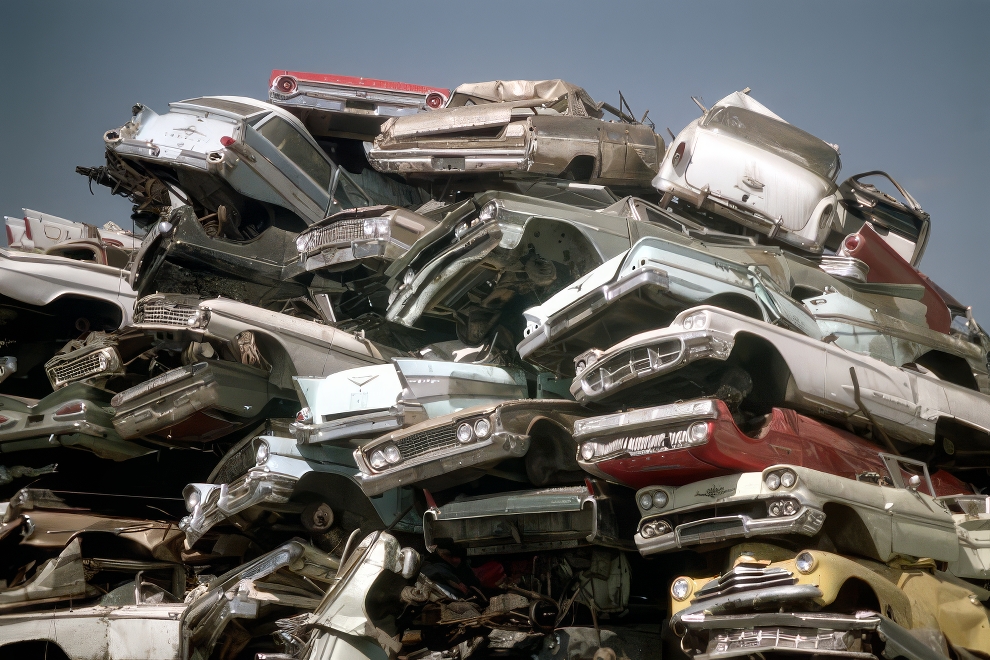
x: 920, y: 525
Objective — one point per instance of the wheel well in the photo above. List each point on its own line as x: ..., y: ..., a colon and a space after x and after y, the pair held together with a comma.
x: 766, y: 366
x: 950, y: 368
x: 581, y: 168
x: 100, y: 314
x: 846, y: 531
x: 551, y: 456
x: 41, y: 649
x: 350, y: 505
x: 855, y: 595
x: 736, y: 303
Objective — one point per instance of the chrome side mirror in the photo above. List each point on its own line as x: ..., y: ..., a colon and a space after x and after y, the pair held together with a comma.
x: 914, y: 483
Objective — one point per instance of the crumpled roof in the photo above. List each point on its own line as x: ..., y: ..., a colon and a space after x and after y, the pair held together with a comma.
x: 743, y: 100
x: 499, y: 91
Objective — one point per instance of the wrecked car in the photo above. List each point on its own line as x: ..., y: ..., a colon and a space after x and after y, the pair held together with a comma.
x: 314, y: 483
x: 453, y: 449
x: 971, y: 513
x: 37, y: 231
x: 707, y: 349
x: 346, y: 105
x: 254, y: 159
x: 682, y: 443
x: 743, y: 162
x: 542, y: 127
x: 96, y: 359
x: 529, y: 521
x: 77, y: 415
x: 506, y: 249
x: 823, y: 601
x: 200, y: 402
x: 370, y: 401
x: 875, y: 514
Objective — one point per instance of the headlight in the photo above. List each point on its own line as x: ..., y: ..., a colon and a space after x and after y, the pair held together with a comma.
x: 377, y: 459
x: 646, y: 501
x: 587, y: 451
x: 392, y: 454
x: 773, y: 481
x: 193, y: 499
x: 408, y: 277
x: 660, y: 499
x: 198, y: 319
x: 302, y: 243
x: 805, y: 563
x: 695, y: 321
x: 263, y: 453
x: 165, y: 228
x: 304, y: 416
x: 377, y: 228
x: 777, y: 508
x: 680, y: 589
x: 482, y: 428
x: 698, y: 432
x: 787, y: 478
x: 580, y: 366
x: 465, y: 433
x: 488, y: 211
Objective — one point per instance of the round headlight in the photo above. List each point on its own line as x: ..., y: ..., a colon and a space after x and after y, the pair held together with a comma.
x: 304, y: 416
x: 592, y: 359
x: 302, y: 243
x: 646, y: 501
x: 488, y: 211
x: 787, y: 478
x: 408, y: 277
x: 193, y: 499
x: 165, y: 227
x: 648, y: 531
x: 377, y: 459
x: 659, y: 499
x: 580, y: 366
x: 805, y: 562
x: 587, y: 451
x: 774, y: 509
x: 773, y: 481
x: 698, y: 432
x: 789, y: 508
x: 392, y: 454
x: 688, y: 323
x: 482, y: 428
x: 465, y: 433
x: 261, y: 457
x: 680, y: 589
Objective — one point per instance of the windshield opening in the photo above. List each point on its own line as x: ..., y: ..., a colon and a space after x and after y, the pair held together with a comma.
x: 777, y: 137
x: 297, y: 148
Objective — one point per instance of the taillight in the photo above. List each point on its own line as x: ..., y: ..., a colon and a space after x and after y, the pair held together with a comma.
x: 434, y: 100
x: 27, y: 229
x: 4, y: 419
x: 227, y: 141
x: 110, y: 241
x: 10, y: 236
x: 852, y: 242
x: 71, y: 408
x: 678, y: 154
x: 285, y: 84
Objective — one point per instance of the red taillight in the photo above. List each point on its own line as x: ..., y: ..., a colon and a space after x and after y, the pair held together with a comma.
x: 285, y: 84
x: 678, y: 154
x: 227, y: 141
x: 72, y: 408
x: 434, y: 100
x: 110, y: 241
x: 852, y: 242
x: 10, y: 236
x: 4, y: 419
x: 27, y: 229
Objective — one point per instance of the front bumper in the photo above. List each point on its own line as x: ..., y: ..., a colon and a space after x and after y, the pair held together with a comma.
x: 807, y: 521
x: 256, y: 487
x: 500, y: 446
x: 528, y: 521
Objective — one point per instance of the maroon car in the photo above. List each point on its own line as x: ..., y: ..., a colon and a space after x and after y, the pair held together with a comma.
x: 682, y: 443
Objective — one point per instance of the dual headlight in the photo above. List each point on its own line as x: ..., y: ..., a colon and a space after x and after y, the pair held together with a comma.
x: 696, y: 321
x: 343, y: 232
x: 653, y: 499
x: 585, y: 361
x: 385, y: 456
x: 780, y: 479
x: 471, y: 430
x: 655, y: 528
x: 487, y: 213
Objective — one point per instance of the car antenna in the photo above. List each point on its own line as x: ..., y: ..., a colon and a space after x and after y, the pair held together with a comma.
x: 671, y: 134
x: 623, y: 102
x: 698, y: 103
x: 646, y: 114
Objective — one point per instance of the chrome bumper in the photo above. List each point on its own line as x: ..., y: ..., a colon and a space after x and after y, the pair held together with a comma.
x: 807, y: 521
x: 374, y: 424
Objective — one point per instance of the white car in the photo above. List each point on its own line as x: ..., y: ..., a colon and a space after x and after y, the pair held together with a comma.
x: 743, y: 162
x: 40, y: 231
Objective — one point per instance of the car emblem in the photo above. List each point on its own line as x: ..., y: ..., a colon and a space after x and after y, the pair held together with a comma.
x: 715, y: 492
x: 361, y: 381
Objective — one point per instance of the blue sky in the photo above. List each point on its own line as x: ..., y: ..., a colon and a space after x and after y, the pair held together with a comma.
x: 900, y: 86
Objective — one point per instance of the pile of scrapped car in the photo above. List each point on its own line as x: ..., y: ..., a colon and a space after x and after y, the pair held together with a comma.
x: 492, y: 373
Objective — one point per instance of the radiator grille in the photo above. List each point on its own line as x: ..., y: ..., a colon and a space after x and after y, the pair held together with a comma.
x: 62, y: 370
x: 426, y: 442
x: 164, y: 312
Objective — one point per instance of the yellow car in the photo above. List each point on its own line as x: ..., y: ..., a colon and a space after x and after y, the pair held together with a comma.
x: 824, y: 603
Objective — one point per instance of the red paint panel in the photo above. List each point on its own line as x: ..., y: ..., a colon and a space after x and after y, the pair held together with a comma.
x: 370, y: 83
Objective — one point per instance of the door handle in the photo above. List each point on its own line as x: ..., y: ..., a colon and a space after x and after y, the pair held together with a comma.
x: 752, y: 183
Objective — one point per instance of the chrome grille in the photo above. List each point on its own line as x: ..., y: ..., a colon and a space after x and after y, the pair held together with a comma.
x: 62, y: 370
x: 426, y: 442
x: 745, y: 577
x: 164, y: 312
x: 637, y: 361
x: 342, y: 231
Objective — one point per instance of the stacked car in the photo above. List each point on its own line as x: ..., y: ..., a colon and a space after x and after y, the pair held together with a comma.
x: 394, y: 371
